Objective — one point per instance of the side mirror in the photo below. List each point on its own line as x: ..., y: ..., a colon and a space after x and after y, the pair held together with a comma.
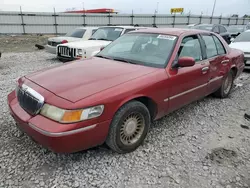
x: 232, y: 39
x: 186, y: 62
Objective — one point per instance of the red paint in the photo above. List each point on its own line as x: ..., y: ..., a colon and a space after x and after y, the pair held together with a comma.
x: 102, y: 10
x: 64, y: 41
x: 96, y: 81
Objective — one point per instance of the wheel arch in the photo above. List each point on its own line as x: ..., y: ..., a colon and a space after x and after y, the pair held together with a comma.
x: 235, y: 71
x: 146, y: 100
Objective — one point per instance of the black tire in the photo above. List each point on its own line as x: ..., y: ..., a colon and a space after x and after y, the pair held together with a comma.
x: 224, y: 91
x: 114, y: 138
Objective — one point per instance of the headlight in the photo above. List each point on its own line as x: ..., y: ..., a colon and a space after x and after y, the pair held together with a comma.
x: 79, y: 52
x: 71, y: 116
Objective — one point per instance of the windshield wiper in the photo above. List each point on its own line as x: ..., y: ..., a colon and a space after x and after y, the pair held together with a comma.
x: 124, y: 60
x: 92, y: 38
x: 103, y: 39
x: 101, y: 56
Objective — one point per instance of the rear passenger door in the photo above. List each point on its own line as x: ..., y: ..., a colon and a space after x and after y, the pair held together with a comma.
x: 216, y: 55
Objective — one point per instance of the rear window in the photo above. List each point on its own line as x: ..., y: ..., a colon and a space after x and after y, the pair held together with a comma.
x: 77, y: 33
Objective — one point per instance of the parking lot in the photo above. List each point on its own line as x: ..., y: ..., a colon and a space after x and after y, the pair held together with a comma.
x: 205, y: 144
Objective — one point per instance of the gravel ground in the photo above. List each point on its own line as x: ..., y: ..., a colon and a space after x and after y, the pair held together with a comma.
x: 21, y: 43
x: 205, y: 144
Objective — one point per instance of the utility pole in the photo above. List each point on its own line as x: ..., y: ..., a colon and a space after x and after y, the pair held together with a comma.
x: 213, y: 8
x: 156, y: 10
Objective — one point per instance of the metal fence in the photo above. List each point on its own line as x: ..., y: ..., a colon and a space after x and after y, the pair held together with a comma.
x: 60, y: 23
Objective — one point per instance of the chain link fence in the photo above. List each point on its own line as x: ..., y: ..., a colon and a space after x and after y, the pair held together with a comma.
x: 60, y: 23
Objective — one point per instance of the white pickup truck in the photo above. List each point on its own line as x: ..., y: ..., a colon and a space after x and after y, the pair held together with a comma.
x: 85, y: 49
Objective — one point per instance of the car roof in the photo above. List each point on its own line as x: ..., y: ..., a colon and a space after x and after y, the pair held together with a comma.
x: 87, y: 28
x: 207, y: 24
x: 123, y: 26
x: 237, y: 25
x: 170, y: 31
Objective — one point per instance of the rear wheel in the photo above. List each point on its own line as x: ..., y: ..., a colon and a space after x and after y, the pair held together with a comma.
x: 129, y: 127
x: 226, y: 86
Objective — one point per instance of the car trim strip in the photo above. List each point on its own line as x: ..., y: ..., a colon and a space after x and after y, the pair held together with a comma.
x: 193, y: 89
x: 215, y: 79
x: 46, y: 133
x: 166, y: 100
x: 188, y: 91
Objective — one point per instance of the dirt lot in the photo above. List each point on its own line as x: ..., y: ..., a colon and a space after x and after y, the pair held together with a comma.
x: 21, y: 43
x: 205, y: 144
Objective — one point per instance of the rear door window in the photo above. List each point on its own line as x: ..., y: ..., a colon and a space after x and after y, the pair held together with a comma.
x: 211, y: 49
x: 216, y: 29
x: 222, y: 29
x: 220, y: 48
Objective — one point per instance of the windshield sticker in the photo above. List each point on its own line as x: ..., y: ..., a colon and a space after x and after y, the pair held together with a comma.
x: 118, y: 29
x: 167, y: 37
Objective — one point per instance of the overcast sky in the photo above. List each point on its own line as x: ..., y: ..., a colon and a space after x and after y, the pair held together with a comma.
x: 224, y: 7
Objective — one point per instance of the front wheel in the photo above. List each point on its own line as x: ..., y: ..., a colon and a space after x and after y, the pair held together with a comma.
x: 226, y: 86
x: 129, y: 127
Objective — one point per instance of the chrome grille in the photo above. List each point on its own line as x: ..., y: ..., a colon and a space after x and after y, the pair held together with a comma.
x: 29, y: 99
x: 65, y: 51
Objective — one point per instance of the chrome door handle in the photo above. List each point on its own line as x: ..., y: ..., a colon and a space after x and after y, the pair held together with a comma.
x: 204, y: 69
x: 225, y: 61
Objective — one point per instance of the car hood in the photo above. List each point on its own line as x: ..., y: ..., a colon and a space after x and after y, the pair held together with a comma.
x: 60, y: 39
x: 87, y: 44
x: 244, y: 46
x: 77, y: 80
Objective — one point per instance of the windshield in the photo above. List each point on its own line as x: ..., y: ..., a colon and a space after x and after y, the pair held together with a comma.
x: 77, y: 33
x: 141, y: 48
x: 243, y: 37
x: 107, y: 33
x: 235, y: 29
x: 204, y: 27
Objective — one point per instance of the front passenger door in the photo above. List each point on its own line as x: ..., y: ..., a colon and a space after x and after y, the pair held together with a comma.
x: 188, y: 84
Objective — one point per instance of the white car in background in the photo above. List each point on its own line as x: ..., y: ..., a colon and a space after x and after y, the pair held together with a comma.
x: 242, y: 42
x: 85, y: 49
x: 191, y: 25
x: 78, y: 34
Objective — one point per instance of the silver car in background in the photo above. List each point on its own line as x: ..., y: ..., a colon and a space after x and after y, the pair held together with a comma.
x: 78, y: 34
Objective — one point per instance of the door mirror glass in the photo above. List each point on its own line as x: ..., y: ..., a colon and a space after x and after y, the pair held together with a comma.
x: 186, y: 61
x: 232, y: 39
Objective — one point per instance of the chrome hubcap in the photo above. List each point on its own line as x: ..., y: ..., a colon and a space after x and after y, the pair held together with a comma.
x: 228, y: 84
x: 132, y: 128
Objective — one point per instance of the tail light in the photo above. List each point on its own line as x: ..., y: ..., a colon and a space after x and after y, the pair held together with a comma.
x: 64, y: 41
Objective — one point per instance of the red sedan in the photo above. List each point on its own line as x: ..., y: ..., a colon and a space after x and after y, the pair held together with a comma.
x: 113, y: 97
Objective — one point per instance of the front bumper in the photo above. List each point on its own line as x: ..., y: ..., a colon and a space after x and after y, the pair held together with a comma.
x: 65, y: 59
x: 45, y: 131
x: 50, y: 49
